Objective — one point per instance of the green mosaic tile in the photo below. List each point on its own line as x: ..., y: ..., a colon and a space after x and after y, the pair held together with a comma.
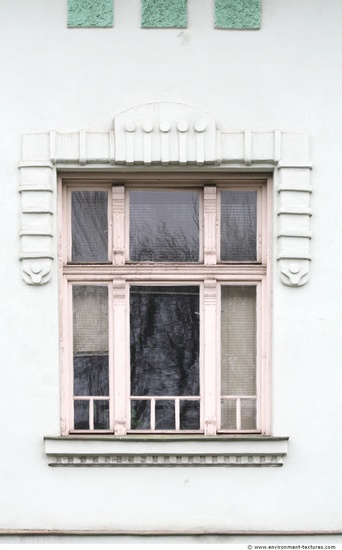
x: 237, y: 14
x: 90, y: 13
x: 159, y: 14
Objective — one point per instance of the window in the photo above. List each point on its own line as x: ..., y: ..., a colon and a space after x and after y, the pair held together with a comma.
x: 165, y: 304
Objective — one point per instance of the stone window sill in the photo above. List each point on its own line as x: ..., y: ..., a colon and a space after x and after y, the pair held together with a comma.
x: 242, y: 451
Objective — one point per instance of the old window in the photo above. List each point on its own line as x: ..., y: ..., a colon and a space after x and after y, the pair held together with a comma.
x: 165, y: 304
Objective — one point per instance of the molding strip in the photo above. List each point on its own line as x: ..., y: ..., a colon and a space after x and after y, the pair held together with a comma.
x: 162, y: 532
x: 166, y: 451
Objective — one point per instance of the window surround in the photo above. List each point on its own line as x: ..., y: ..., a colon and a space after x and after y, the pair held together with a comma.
x: 166, y: 137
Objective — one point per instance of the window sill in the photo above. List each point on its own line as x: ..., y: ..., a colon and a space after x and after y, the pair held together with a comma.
x: 243, y: 451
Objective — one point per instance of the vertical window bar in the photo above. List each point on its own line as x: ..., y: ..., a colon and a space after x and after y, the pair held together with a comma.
x: 119, y: 356
x: 177, y: 414
x: 209, y: 328
x: 118, y: 213
x: 153, y: 413
x: 209, y: 222
x: 260, y: 226
x: 238, y: 413
x: 91, y: 414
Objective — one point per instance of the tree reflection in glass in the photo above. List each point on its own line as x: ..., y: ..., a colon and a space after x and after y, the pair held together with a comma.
x: 164, y: 323
x: 164, y: 226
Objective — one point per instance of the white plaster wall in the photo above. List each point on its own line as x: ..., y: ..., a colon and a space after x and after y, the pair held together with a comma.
x: 286, y: 76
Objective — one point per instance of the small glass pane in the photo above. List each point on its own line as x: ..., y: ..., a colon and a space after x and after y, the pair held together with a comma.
x: 90, y: 340
x: 238, y: 340
x: 238, y: 226
x: 248, y: 414
x: 164, y: 340
x: 165, y: 415
x: 81, y: 415
x: 140, y: 415
x: 189, y: 415
x: 164, y: 226
x: 228, y: 414
x: 101, y: 415
x: 89, y: 223
x: 91, y: 375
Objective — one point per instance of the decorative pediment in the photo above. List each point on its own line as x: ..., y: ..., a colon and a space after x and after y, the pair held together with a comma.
x: 165, y: 133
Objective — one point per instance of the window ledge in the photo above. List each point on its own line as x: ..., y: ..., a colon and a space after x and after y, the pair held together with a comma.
x: 243, y: 451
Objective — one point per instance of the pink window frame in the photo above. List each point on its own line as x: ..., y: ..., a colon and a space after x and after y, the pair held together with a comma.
x: 119, y: 275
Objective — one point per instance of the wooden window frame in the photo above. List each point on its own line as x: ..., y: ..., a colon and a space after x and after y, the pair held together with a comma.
x: 209, y: 273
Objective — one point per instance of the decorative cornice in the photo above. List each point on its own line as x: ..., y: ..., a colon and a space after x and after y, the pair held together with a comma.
x: 174, y: 136
x: 133, y: 451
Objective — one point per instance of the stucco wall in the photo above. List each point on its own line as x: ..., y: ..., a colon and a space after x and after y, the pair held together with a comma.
x: 285, y: 75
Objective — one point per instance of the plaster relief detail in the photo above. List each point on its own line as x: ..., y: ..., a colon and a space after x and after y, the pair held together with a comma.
x: 294, y: 213
x: 165, y: 133
x: 159, y: 136
x: 36, y: 233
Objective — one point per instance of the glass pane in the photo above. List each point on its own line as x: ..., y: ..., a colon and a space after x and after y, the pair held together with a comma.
x: 90, y: 339
x: 89, y: 223
x: 101, y: 415
x: 165, y: 415
x: 189, y: 415
x: 81, y: 415
x: 238, y: 340
x: 164, y: 226
x: 248, y: 414
x: 164, y: 340
x: 238, y: 226
x: 140, y: 415
x: 91, y: 375
x: 228, y: 414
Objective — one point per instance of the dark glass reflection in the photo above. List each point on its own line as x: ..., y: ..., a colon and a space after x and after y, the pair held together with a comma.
x: 89, y: 222
x: 164, y: 324
x: 164, y: 226
x: 101, y: 415
x: 189, y: 415
x: 140, y: 415
x: 90, y: 340
x: 238, y: 226
x: 165, y: 415
x: 81, y: 415
x: 91, y: 375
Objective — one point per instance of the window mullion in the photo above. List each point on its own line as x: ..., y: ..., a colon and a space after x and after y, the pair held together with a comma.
x: 210, y: 356
x: 119, y: 345
x: 118, y: 206
x: 209, y: 208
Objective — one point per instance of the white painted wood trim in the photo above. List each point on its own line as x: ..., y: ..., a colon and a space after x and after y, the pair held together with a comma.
x: 166, y: 451
x: 164, y: 136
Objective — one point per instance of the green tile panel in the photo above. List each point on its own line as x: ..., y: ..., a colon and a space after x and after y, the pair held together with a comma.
x: 161, y: 14
x: 90, y: 13
x: 237, y: 14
